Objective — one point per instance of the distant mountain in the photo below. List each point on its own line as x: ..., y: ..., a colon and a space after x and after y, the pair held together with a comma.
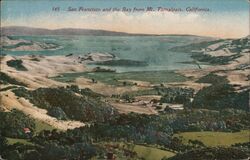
x: 21, y: 30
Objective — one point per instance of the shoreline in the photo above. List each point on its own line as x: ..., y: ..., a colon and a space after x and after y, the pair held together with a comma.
x: 40, y: 68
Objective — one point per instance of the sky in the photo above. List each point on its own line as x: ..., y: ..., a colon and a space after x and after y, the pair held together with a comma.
x: 225, y: 18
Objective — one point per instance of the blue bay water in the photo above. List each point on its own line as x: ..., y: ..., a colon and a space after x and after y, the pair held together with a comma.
x: 152, y: 49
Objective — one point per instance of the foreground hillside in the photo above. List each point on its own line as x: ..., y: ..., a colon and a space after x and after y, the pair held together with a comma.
x: 56, y: 107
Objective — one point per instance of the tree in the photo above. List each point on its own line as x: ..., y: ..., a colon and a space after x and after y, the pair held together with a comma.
x: 3, y: 143
x: 12, y: 124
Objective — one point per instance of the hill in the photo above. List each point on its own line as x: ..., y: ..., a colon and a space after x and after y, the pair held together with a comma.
x: 22, y: 30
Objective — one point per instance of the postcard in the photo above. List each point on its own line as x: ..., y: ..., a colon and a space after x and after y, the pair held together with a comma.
x: 124, y: 80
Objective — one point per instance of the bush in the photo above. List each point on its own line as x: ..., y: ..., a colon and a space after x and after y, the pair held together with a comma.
x: 212, y: 154
x: 17, y: 64
x: 176, y: 95
x: 3, y: 143
x: 213, y: 79
x: 12, y: 124
x: 58, y: 113
x: 6, y: 79
x: 221, y: 96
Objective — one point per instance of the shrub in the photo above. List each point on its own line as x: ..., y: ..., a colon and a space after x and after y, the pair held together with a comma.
x: 17, y: 64
x: 218, y: 153
x: 58, y: 113
x: 12, y: 124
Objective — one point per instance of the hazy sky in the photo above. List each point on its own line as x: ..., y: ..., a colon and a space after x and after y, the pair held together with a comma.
x: 226, y: 18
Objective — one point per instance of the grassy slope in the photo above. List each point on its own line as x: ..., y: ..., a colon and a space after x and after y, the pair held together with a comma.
x: 113, y: 78
x: 39, y: 127
x: 42, y: 126
x: 217, y: 138
x: 146, y: 152
x: 150, y: 153
x: 16, y: 140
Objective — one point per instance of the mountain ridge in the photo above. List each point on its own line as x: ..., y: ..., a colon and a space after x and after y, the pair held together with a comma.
x: 23, y: 30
